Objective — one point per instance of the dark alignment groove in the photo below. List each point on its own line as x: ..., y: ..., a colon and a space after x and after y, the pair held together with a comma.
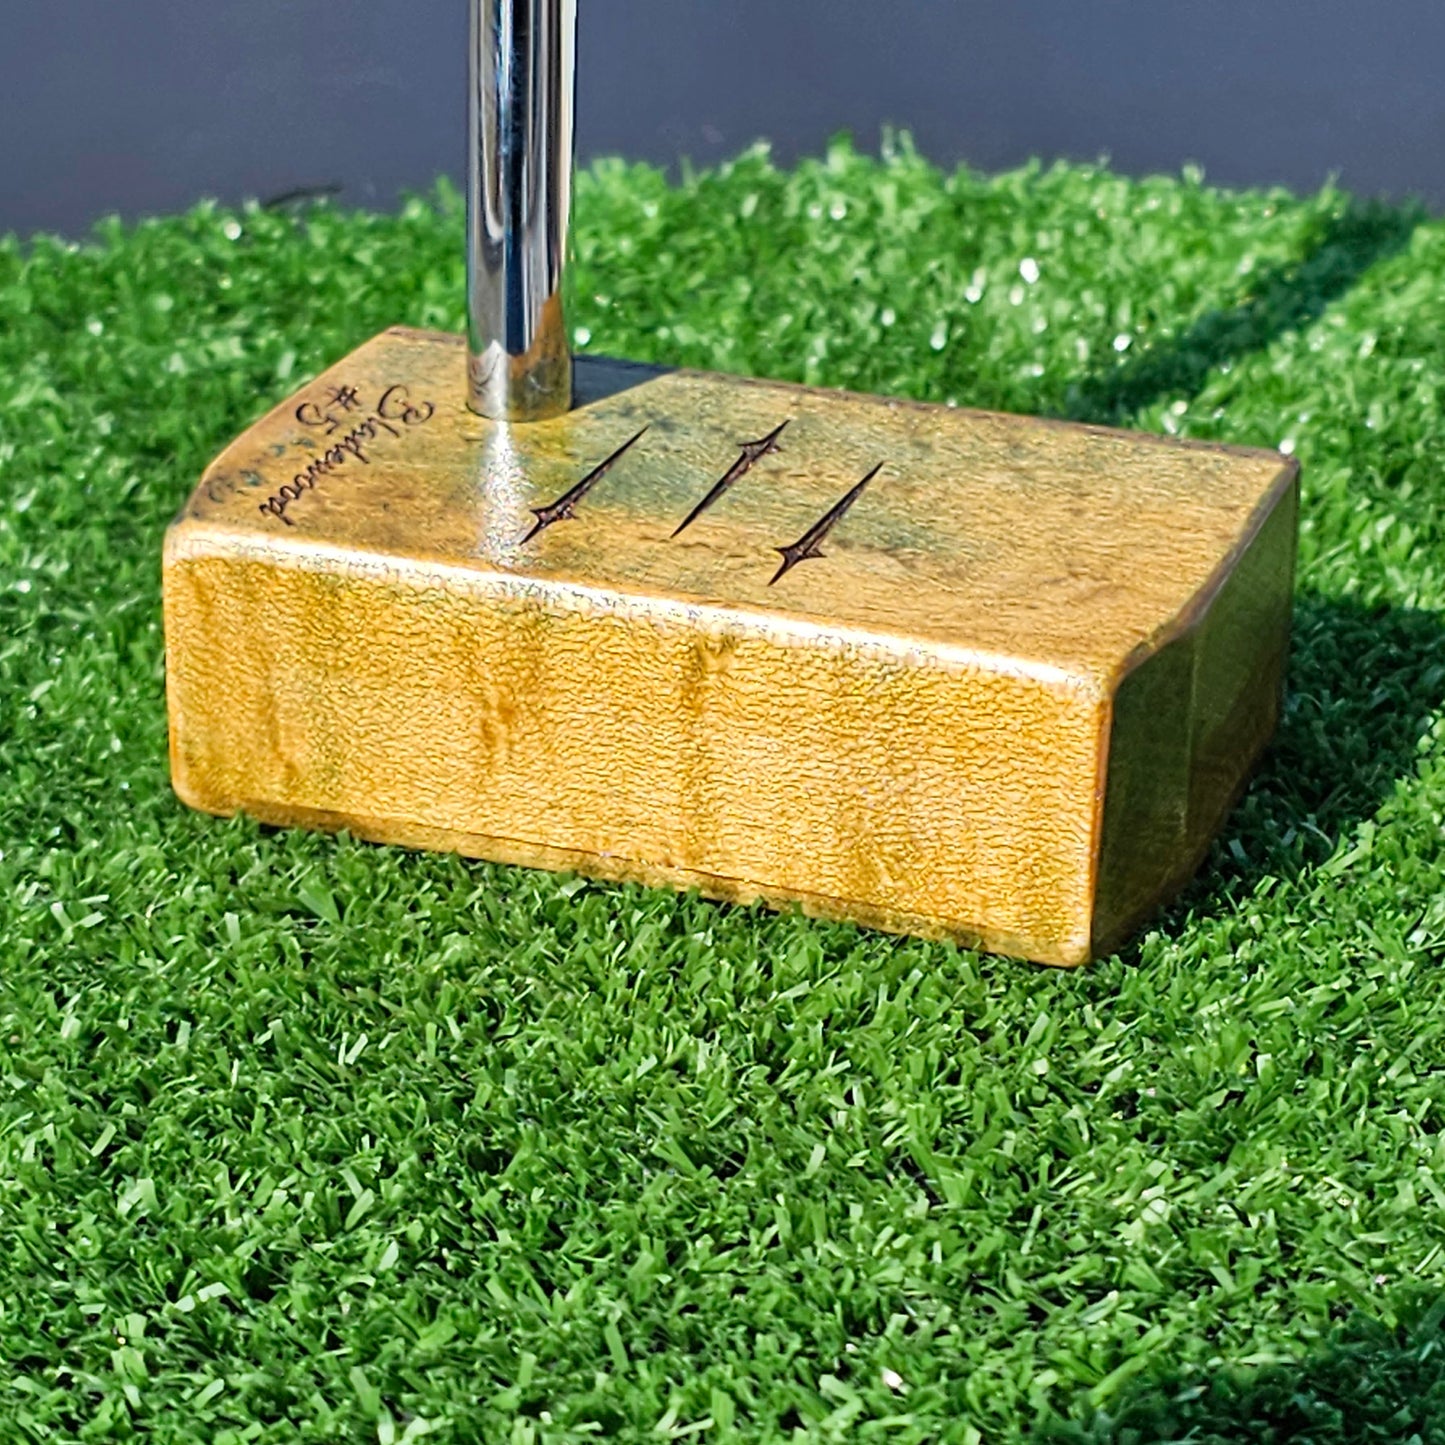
x: 752, y: 454
x: 564, y: 509
x: 810, y: 544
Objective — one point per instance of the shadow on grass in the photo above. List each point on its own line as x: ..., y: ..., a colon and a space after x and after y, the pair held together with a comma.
x: 1364, y: 687
x: 1281, y: 298
x: 1369, y: 1385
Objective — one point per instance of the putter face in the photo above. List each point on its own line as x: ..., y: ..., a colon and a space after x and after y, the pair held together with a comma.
x: 930, y: 670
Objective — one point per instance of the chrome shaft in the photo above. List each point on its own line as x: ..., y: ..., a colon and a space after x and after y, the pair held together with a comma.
x: 521, y: 143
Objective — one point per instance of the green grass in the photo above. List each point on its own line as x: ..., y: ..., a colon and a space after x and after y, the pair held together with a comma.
x: 306, y: 1140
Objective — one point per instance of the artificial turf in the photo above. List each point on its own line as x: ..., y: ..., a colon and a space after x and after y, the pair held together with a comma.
x: 308, y: 1140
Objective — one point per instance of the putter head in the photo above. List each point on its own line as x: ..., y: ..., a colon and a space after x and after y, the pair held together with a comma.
x: 1004, y: 687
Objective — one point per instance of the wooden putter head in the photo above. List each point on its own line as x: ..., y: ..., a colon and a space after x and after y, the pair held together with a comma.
x: 931, y: 670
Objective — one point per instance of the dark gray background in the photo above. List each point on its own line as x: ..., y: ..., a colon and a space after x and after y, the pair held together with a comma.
x: 147, y: 105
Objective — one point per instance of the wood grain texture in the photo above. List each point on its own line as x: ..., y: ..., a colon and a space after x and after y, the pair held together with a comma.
x: 1010, y: 702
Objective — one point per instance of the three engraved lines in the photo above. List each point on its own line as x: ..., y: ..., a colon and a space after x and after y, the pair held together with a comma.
x: 805, y: 549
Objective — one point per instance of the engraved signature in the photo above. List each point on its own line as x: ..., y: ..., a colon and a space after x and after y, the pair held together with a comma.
x: 343, y: 415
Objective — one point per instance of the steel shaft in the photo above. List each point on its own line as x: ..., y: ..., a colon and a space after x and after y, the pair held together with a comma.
x: 522, y: 146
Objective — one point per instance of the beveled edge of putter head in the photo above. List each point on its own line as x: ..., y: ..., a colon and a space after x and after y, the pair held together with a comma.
x: 521, y: 113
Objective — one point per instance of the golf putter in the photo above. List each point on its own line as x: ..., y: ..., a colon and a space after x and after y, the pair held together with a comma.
x: 931, y: 670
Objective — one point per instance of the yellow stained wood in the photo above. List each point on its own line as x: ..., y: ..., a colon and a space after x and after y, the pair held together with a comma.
x: 1009, y: 703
